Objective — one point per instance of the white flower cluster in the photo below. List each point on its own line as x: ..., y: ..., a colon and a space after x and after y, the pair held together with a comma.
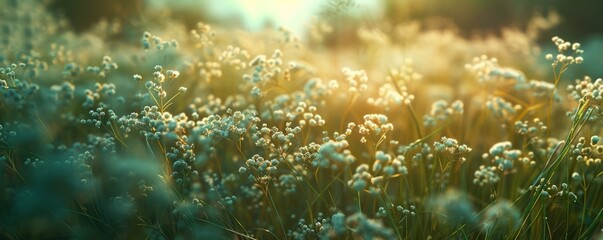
x: 107, y: 65
x: 260, y: 169
x: 490, y: 73
x: 155, y: 125
x: 543, y: 90
x: 374, y: 127
x: 234, y: 57
x: 388, y: 166
x: 266, y: 71
x: 100, y: 116
x: 562, y: 59
x: 8, y: 133
x: 389, y: 97
x: 99, y: 96
x: 288, y: 37
x: 72, y: 70
x: 275, y: 138
x: 13, y: 86
x: 149, y: 41
x: 549, y: 191
x: 157, y: 88
x: 587, y: 90
x: 424, y: 155
x: 209, y: 71
x: 308, y: 153
x: 63, y: 93
x: 203, y: 35
x: 183, y: 158
x: 486, y: 175
x: 211, y: 104
x: 329, y: 228
x: 395, y: 90
x: 332, y: 154
x: 442, y: 112
x: 411, y: 210
x: 504, y: 157
x: 451, y: 146
x: 252, y: 196
x: 290, y: 109
x: 502, y: 108
x: 316, y: 89
x: 531, y: 129
x: 304, y: 229
x: 287, y: 183
x: 588, y: 154
x: 356, y: 79
x: 364, y: 180
x: 231, y: 126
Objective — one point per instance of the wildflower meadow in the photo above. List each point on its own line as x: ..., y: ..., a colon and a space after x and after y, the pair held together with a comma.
x: 159, y: 125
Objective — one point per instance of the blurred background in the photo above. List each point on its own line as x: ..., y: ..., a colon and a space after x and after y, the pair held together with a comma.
x: 579, y: 18
x: 575, y: 21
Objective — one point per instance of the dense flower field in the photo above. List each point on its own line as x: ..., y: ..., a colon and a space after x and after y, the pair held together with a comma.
x: 159, y: 130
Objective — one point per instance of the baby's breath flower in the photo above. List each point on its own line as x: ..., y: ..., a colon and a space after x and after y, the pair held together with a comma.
x: 256, y: 92
x: 441, y: 111
x: 549, y: 56
x: 172, y: 74
x: 137, y: 77
x: 576, y: 176
x: 563, y: 59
